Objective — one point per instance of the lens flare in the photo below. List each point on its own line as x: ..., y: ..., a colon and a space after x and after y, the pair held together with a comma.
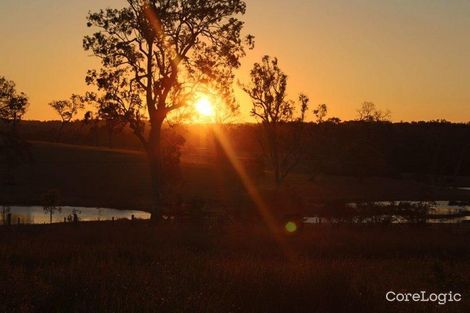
x: 291, y: 227
x: 253, y: 191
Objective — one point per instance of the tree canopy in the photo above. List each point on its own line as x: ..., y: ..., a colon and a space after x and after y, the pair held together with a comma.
x: 368, y: 112
x: 273, y: 108
x: 268, y: 91
x: 13, y: 104
x: 68, y: 109
x: 156, y: 55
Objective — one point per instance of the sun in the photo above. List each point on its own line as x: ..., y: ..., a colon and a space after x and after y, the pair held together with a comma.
x: 205, y: 107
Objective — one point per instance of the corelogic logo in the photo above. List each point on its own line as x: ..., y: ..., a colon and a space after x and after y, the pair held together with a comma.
x: 423, y: 296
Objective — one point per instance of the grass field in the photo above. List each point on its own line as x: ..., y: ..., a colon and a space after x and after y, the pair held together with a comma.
x: 88, y: 176
x: 236, y: 267
x: 125, y: 267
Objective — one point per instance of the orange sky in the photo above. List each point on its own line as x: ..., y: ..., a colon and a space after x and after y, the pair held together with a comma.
x: 409, y: 56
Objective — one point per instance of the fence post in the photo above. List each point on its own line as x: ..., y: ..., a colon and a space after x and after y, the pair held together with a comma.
x: 9, y: 219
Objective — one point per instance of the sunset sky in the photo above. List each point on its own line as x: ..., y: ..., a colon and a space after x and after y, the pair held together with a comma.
x: 409, y: 56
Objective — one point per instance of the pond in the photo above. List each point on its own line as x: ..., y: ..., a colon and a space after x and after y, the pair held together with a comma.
x: 36, y: 214
x: 440, y: 212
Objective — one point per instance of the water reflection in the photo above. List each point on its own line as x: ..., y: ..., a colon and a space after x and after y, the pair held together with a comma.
x: 36, y: 214
x: 438, y: 212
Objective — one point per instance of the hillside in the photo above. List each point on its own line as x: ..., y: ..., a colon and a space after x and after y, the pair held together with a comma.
x: 90, y: 176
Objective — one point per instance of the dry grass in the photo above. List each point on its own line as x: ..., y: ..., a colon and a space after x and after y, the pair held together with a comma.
x: 126, y: 267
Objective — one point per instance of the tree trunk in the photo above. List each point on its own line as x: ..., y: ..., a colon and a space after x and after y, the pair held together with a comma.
x: 59, y: 132
x: 154, y: 155
x: 273, y: 142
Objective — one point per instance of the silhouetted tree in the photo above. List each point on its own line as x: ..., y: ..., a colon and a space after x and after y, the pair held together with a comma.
x: 5, y: 211
x: 334, y: 120
x: 320, y: 113
x: 73, y: 216
x: 50, y: 202
x: 268, y: 92
x: 155, y: 53
x: 92, y: 120
x: 13, y: 105
x: 67, y: 110
x: 109, y: 114
x: 370, y: 113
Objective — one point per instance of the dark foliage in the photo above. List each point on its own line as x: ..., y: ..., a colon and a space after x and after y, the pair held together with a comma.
x: 424, y: 151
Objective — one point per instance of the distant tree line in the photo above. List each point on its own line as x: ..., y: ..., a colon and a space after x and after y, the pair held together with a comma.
x: 424, y: 150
